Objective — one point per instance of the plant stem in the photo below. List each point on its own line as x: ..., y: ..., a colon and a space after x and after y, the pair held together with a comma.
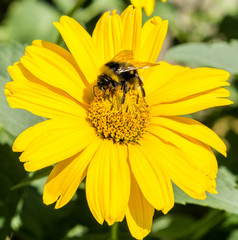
x: 114, y: 231
x: 78, y: 4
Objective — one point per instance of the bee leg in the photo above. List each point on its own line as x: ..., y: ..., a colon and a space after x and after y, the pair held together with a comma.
x: 140, y: 84
x: 125, y: 90
x: 94, y: 89
x: 106, y: 94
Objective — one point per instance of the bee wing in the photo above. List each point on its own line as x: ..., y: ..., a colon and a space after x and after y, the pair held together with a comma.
x: 139, y: 65
x: 134, y: 65
x: 126, y: 57
x: 129, y: 63
x: 123, y: 56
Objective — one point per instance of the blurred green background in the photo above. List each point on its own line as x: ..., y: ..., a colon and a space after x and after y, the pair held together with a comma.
x: 201, y: 33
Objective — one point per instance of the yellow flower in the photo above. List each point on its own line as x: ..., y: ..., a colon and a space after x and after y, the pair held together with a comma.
x: 148, y: 5
x: 128, y: 154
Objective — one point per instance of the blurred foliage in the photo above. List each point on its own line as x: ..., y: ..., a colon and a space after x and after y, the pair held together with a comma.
x: 12, y: 122
x: 28, y: 20
x: 208, y: 31
x: 226, y: 199
x: 192, y: 20
x: 11, y: 173
x: 219, y: 55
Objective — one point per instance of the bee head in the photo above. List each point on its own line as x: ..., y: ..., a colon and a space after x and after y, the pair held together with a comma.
x: 103, y: 80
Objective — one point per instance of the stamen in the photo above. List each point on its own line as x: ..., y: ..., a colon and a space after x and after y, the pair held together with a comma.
x: 120, y: 123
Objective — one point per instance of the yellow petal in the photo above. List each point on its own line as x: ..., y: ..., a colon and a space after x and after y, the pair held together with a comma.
x: 27, y: 136
x: 155, y: 78
x: 139, y: 214
x: 192, y: 128
x: 149, y: 7
x: 153, y: 182
x: 193, y: 104
x: 108, y: 183
x: 107, y: 35
x: 153, y: 34
x: 66, y: 176
x: 181, y: 170
x: 81, y: 46
x: 29, y: 93
x: 55, y: 70
x: 55, y: 141
x: 197, y: 152
x: 189, y: 83
x: 212, y: 186
x: 138, y: 3
x: 131, y: 23
x: 207, y: 162
x: 63, y: 53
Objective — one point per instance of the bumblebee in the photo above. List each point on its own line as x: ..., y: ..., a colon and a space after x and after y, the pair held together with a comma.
x: 121, y: 71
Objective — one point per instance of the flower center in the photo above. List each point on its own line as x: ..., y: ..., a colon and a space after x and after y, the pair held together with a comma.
x: 121, y: 123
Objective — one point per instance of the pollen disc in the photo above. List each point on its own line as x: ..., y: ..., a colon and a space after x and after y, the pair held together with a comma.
x: 120, y: 123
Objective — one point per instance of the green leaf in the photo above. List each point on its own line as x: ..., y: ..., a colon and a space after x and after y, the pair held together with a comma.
x: 39, y: 221
x: 30, y: 178
x: 76, y: 231
x: 64, y: 6
x: 231, y: 220
x: 183, y: 226
x: 218, y: 55
x: 9, y: 53
x: 12, y: 121
x: 96, y: 8
x: 29, y: 20
x: 233, y: 235
x: 5, y: 136
x: 226, y: 199
x: 233, y: 95
x: 11, y: 172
